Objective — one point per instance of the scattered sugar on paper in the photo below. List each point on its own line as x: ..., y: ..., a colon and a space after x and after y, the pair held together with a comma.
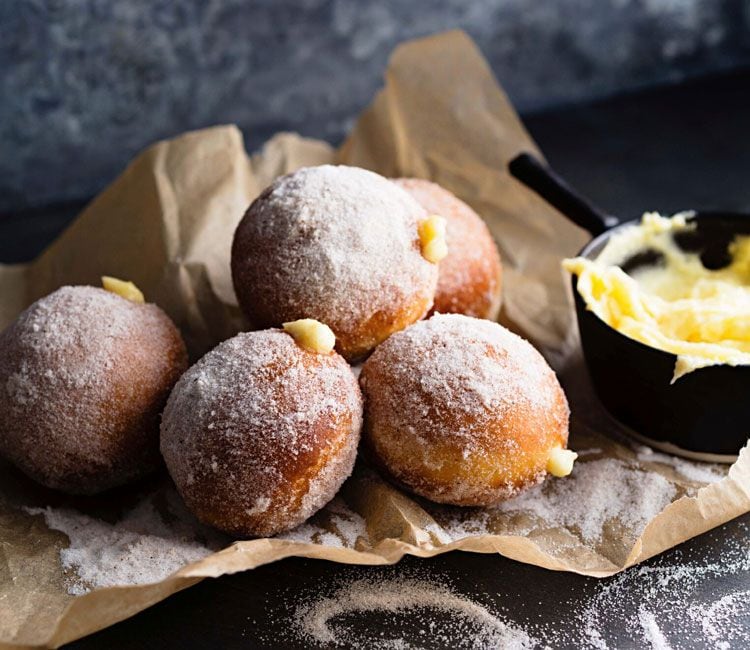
x: 343, y: 527
x: 442, y: 536
x: 597, y: 492
x: 147, y: 544
x: 462, y: 623
x: 693, y: 471
x: 142, y: 547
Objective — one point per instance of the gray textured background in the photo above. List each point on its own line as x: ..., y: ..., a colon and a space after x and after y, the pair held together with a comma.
x: 85, y: 84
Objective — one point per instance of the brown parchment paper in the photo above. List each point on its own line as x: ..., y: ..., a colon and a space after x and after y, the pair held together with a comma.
x: 167, y: 222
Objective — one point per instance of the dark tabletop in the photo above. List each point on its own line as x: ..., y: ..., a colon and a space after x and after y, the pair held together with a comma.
x: 666, y: 150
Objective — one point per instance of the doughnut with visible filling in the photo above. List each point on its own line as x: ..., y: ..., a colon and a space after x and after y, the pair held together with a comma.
x: 340, y: 245
x: 260, y: 433
x: 462, y: 411
x: 470, y: 276
x: 84, y: 375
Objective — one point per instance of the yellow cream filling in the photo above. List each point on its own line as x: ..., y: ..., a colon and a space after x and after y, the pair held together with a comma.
x: 700, y: 315
x: 123, y: 288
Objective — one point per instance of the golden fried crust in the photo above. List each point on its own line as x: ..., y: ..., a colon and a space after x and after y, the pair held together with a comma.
x: 324, y: 467
x: 446, y: 430
x: 470, y: 277
x: 266, y: 302
x: 261, y: 433
x: 337, y: 244
x: 85, y: 375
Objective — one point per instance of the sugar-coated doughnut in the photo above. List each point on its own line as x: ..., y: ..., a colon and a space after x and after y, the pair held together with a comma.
x: 261, y: 433
x: 470, y: 276
x: 340, y: 245
x: 84, y: 375
x: 462, y: 411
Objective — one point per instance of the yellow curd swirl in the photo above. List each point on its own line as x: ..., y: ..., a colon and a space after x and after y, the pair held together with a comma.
x: 678, y: 305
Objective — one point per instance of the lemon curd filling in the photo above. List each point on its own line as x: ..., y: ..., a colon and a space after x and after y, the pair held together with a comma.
x: 677, y: 305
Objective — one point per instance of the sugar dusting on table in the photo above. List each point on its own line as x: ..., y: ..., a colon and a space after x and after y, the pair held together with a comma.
x: 655, y: 605
x: 651, y: 630
x: 718, y: 620
x: 666, y: 595
x: 461, y: 622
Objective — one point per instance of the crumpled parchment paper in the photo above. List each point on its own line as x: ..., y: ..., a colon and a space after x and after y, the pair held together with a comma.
x: 167, y: 222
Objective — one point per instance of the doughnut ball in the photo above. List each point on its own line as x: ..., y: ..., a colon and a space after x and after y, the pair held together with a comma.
x: 261, y: 433
x: 470, y: 276
x: 337, y: 244
x: 462, y: 411
x: 84, y: 375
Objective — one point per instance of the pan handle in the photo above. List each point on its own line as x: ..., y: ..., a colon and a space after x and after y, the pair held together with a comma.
x: 537, y: 176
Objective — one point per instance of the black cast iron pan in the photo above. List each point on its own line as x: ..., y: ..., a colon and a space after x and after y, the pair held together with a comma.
x: 706, y: 413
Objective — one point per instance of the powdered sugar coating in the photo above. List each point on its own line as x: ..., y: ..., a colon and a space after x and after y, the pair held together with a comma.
x: 338, y: 244
x: 260, y: 433
x: 461, y: 410
x: 84, y: 375
x: 470, y: 277
x: 146, y: 543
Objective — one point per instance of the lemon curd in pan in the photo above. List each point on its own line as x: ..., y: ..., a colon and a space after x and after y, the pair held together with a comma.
x: 676, y: 304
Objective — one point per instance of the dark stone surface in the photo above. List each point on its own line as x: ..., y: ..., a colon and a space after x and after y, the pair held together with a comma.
x: 85, y: 84
x: 256, y: 609
x: 665, y: 149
